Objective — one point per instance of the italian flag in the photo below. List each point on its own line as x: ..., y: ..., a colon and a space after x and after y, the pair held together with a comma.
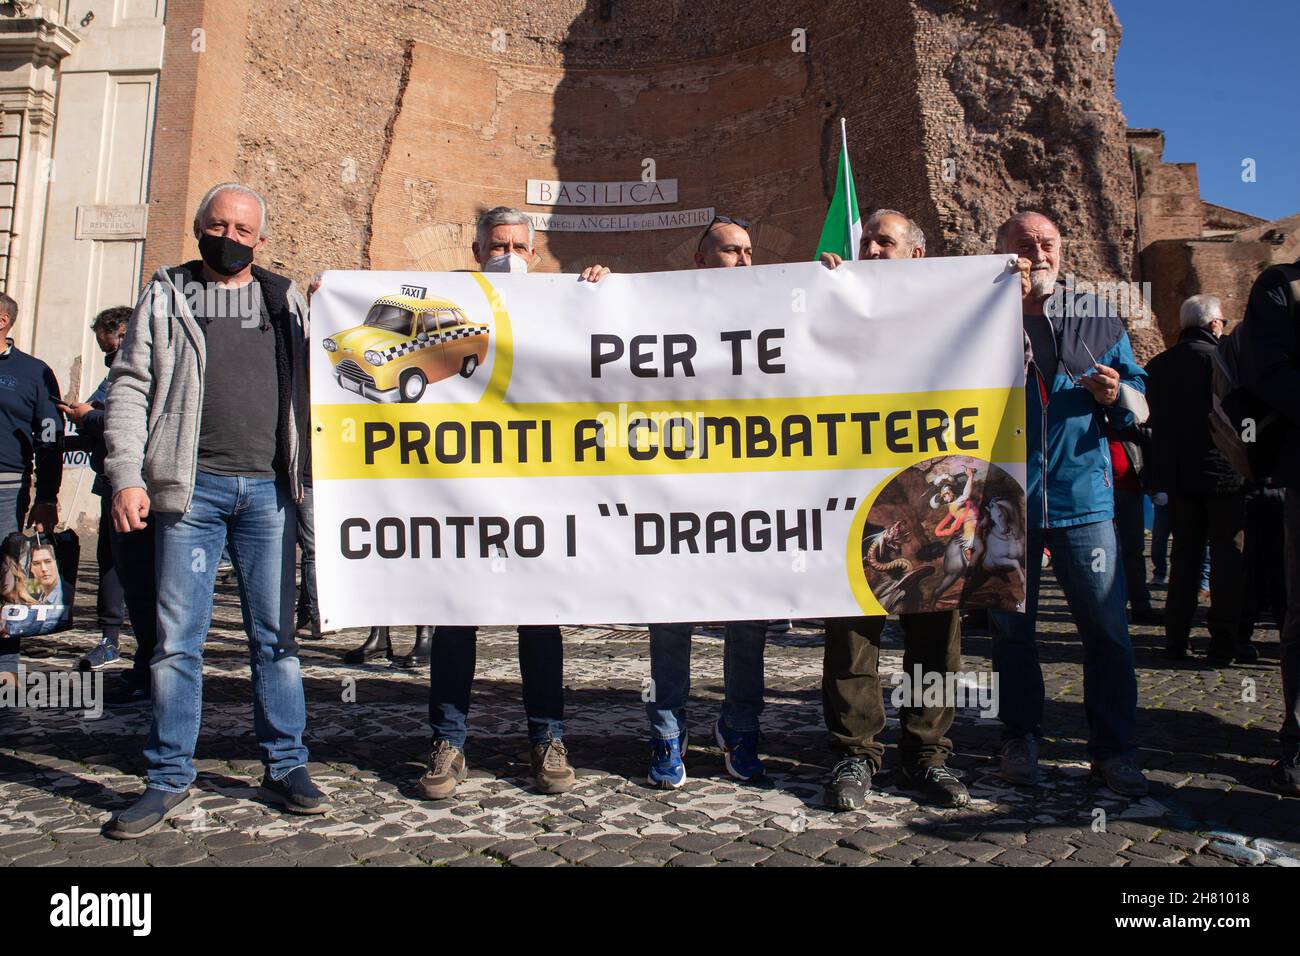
x: 843, y: 229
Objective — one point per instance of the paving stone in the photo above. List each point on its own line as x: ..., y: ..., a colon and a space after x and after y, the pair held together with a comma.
x: 975, y: 850
x: 327, y: 856
x: 900, y: 851
x: 940, y: 858
x: 869, y: 841
x: 1014, y: 857
x: 654, y: 851
x: 741, y: 853
x: 782, y: 857
x: 608, y: 858
x: 247, y: 852
x: 1097, y: 856
x: 1160, y: 852
x: 1189, y: 842
x: 846, y: 856
x: 808, y: 844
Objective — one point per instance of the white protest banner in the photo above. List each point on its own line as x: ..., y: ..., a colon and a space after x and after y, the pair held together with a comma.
x: 774, y: 442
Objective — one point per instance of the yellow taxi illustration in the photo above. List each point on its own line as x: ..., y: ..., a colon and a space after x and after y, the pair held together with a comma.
x: 406, y: 342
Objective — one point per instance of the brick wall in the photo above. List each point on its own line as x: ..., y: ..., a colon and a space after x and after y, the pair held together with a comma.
x: 378, y: 134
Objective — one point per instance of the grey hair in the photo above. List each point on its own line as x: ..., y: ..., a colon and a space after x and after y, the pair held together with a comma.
x: 9, y: 307
x: 210, y: 197
x: 915, y: 237
x: 1199, y: 311
x: 1004, y: 230
x: 502, y: 216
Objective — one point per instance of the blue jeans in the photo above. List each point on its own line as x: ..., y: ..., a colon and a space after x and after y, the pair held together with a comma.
x: 1086, y: 561
x: 255, y: 518
x: 451, y: 675
x: 670, y: 676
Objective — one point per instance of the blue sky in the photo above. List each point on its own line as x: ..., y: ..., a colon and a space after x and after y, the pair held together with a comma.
x: 1221, y: 78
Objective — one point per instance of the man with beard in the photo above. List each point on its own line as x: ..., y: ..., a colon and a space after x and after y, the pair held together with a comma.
x: 1082, y: 376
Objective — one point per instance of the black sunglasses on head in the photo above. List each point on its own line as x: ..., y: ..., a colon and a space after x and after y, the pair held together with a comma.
x: 720, y: 221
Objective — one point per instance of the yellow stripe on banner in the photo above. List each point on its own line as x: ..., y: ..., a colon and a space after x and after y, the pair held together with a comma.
x: 491, y: 439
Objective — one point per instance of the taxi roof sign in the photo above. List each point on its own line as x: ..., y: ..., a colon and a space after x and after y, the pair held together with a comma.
x: 413, y: 304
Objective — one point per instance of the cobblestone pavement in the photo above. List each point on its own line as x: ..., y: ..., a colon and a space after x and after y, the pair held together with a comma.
x: 1207, y: 736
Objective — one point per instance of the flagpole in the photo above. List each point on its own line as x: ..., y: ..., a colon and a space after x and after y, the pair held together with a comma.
x: 848, y: 193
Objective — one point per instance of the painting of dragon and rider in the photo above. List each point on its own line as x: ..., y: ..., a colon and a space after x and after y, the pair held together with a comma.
x: 945, y: 533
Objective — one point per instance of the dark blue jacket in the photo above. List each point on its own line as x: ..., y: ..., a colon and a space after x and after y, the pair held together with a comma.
x: 31, y: 425
x: 1070, y: 480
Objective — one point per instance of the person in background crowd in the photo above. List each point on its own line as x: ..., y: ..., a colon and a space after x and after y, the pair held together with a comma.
x: 126, y: 561
x: 504, y: 241
x: 1160, y: 544
x: 852, y: 697
x: 1159, y: 537
x: 31, y: 440
x: 213, y: 368
x: 1264, y: 558
x: 724, y: 244
x: 1271, y: 371
x: 1080, y: 359
x: 1129, y: 452
x: 378, y: 643
x: 1206, y: 495
x: 307, y: 611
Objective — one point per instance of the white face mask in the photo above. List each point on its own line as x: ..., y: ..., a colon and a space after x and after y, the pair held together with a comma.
x: 507, y: 262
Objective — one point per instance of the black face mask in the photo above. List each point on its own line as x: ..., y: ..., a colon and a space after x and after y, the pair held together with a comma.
x: 109, y: 356
x: 224, y: 255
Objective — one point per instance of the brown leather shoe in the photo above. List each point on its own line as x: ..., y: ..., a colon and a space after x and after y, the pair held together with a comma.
x: 551, y: 769
x: 446, y: 769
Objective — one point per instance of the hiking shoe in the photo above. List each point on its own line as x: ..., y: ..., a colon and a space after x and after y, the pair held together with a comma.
x: 446, y: 769
x: 1286, y: 774
x: 739, y: 751
x: 294, y: 792
x: 849, y: 783
x: 551, y: 770
x: 145, y: 815
x: 938, y: 785
x: 666, y: 767
x: 1122, y: 775
x: 1019, y: 762
x: 99, y: 656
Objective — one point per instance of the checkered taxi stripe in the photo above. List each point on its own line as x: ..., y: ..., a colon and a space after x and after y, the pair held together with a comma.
x: 450, y: 335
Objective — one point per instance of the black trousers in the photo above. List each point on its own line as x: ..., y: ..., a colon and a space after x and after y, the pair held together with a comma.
x: 307, y: 605
x: 1291, y: 630
x: 1130, y: 528
x: 134, y: 565
x: 1265, y: 559
x: 110, y: 601
x: 1194, y: 519
x: 853, y: 702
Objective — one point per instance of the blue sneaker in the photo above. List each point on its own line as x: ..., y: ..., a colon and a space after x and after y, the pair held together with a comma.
x: 666, y: 767
x: 740, y: 750
x: 99, y: 657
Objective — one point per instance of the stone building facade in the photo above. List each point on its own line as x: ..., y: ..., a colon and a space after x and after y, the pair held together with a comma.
x: 380, y: 131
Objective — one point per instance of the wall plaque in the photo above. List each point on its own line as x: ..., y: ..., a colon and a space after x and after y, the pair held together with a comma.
x: 112, y: 222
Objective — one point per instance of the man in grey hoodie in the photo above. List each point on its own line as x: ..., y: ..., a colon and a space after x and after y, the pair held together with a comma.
x: 206, y: 427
